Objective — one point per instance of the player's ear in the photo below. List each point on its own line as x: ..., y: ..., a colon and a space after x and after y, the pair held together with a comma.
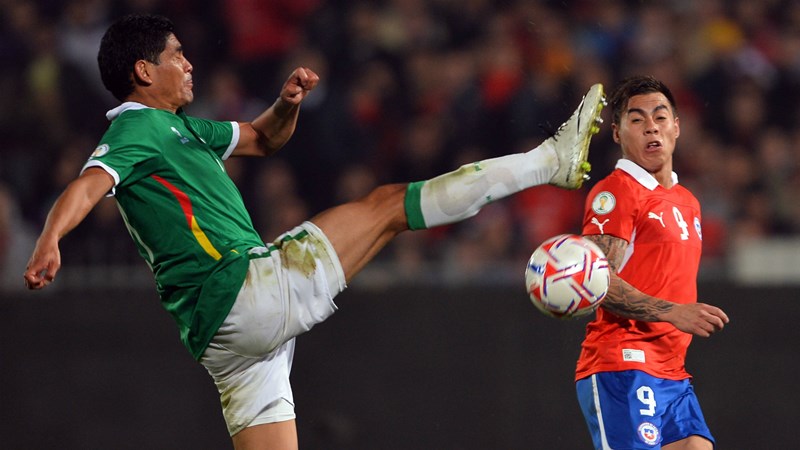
x: 677, y: 127
x: 141, y: 73
x: 615, y: 132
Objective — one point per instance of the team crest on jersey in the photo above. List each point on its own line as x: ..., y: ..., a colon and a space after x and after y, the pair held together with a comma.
x: 101, y: 150
x: 649, y: 433
x: 604, y: 203
x: 697, y: 228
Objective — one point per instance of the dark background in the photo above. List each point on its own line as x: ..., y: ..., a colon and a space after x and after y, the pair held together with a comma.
x: 410, y: 89
x: 405, y: 368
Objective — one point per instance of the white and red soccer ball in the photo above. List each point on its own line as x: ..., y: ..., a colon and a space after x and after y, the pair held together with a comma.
x: 567, y: 276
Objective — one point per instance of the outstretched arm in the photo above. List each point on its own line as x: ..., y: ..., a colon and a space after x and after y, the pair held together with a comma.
x: 626, y: 301
x: 272, y: 129
x: 69, y: 210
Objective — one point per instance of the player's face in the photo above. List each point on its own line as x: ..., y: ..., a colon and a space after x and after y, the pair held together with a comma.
x: 172, y: 77
x: 647, y: 132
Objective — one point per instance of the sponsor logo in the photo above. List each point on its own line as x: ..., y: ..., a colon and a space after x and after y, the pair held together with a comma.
x: 659, y: 217
x: 182, y: 138
x: 604, y: 203
x: 649, y: 433
x: 599, y: 224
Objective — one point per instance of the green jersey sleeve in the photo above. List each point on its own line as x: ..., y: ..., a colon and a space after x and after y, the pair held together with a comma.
x: 222, y: 137
x: 126, y: 153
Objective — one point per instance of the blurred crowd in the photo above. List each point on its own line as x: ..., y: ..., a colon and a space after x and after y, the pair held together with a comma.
x: 411, y: 89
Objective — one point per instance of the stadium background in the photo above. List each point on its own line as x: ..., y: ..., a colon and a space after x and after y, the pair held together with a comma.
x: 434, y: 345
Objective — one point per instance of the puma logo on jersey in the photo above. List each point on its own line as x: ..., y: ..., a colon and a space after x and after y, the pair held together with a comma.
x: 599, y: 224
x: 182, y: 138
x: 659, y: 217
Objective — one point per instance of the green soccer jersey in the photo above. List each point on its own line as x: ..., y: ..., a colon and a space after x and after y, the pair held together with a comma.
x: 182, y: 210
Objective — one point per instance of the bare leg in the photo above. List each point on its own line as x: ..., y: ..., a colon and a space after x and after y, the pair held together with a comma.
x: 268, y: 436
x: 690, y: 443
x: 359, y: 230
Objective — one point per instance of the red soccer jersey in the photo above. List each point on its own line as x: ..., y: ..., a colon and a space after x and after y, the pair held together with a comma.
x: 662, y: 228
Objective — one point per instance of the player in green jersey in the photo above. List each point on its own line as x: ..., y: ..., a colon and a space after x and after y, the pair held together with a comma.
x: 239, y: 302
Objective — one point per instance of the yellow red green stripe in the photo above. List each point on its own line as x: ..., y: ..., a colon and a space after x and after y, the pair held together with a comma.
x: 186, y: 206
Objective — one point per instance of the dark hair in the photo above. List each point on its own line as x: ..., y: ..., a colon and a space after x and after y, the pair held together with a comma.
x: 637, y: 85
x: 129, y: 39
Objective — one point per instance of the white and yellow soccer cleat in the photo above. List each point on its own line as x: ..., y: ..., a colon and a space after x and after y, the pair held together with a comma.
x: 571, y: 140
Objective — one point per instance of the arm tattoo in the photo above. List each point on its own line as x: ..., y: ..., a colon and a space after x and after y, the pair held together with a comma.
x: 623, y: 299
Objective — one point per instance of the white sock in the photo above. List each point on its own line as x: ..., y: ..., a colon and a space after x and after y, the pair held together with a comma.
x: 460, y: 194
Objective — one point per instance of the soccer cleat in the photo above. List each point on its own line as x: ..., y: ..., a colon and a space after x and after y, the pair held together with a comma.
x: 571, y: 140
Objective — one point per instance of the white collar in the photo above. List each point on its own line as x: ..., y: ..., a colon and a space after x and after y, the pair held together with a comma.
x: 127, y: 106
x: 642, y: 176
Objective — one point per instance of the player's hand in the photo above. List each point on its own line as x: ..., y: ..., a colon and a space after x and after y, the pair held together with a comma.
x: 43, y: 265
x: 699, y: 319
x: 298, y: 85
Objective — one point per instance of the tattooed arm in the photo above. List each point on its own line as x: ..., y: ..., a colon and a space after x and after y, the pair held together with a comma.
x: 626, y: 301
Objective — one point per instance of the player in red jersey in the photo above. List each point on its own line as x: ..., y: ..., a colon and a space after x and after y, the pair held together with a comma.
x: 631, y: 380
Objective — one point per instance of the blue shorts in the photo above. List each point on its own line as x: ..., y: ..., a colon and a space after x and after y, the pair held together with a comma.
x: 634, y: 410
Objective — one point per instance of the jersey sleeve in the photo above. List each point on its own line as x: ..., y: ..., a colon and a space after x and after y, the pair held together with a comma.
x: 124, y: 154
x: 222, y: 137
x: 611, y: 208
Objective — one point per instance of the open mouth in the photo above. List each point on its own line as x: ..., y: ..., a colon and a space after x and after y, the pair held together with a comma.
x: 653, y: 145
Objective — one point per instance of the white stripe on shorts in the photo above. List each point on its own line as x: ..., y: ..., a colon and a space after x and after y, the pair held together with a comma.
x: 600, y: 425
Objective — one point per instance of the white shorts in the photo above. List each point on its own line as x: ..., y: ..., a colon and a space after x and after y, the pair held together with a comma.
x: 289, y: 288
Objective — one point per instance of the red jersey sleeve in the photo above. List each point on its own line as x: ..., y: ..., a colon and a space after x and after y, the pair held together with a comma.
x: 611, y: 208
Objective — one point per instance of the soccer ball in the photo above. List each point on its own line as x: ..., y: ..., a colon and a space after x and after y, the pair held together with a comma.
x: 567, y: 276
